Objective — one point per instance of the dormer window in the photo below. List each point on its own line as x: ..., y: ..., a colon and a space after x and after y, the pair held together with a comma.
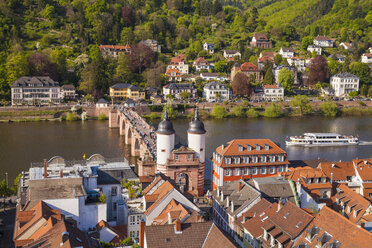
x: 267, y: 147
x: 240, y: 148
x: 258, y: 148
x: 249, y: 148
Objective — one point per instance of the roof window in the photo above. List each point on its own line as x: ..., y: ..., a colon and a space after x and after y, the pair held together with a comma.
x: 258, y: 147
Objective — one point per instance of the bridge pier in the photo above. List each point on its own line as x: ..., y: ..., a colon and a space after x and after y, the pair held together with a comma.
x: 122, y: 126
x: 128, y: 135
x: 135, y: 146
x: 113, y: 118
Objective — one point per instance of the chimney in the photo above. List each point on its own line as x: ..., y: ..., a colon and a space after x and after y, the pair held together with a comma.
x: 223, y: 147
x: 142, y: 234
x: 45, y: 168
x: 65, y: 237
x: 61, y: 173
x: 169, y: 218
x: 280, y: 205
x: 240, y: 186
x: 177, y: 226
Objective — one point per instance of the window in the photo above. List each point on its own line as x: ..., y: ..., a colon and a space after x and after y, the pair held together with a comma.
x: 272, y: 158
x: 227, y: 172
x: 177, y: 157
x: 240, y: 148
x: 162, y: 150
x: 227, y: 160
x: 236, y: 160
x: 237, y: 172
x: 263, y: 159
x: 272, y: 170
x: 249, y: 148
x: 263, y: 170
x: 114, y: 191
x: 245, y: 160
x: 132, y: 220
x: 245, y: 171
x: 188, y: 156
x: 138, y: 219
x: 281, y: 158
x: 255, y: 159
x: 280, y: 169
x: 254, y: 171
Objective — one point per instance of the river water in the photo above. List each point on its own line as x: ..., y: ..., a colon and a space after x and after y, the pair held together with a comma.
x: 23, y: 143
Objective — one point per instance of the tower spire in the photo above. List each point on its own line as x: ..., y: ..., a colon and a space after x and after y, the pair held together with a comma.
x: 196, y: 117
x: 165, y: 117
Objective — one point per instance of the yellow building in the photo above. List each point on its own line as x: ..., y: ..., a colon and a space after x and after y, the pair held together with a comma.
x: 126, y: 91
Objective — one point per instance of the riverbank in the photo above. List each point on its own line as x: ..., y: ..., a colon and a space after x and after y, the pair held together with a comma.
x: 269, y: 110
x: 49, y: 113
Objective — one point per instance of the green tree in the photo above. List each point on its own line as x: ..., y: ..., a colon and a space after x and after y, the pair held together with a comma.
x: 273, y: 111
x: 16, y: 66
x: 364, y: 90
x: 220, y: 66
x: 185, y: 95
x: 122, y: 70
x: 329, y: 109
x: 219, y: 112
x: 286, y: 79
x: 238, y: 111
x: 252, y: 113
x: 15, y: 184
x: 172, y: 113
x: 361, y: 70
x: 306, y: 41
x: 278, y: 59
x: 302, y: 105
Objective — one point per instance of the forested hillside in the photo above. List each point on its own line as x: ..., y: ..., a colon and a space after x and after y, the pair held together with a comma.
x: 60, y: 37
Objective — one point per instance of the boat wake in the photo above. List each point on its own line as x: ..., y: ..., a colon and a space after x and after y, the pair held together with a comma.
x: 365, y: 143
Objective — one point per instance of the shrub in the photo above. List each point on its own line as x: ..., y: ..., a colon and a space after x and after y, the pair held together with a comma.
x: 329, y: 109
x: 302, y: 105
x: 219, y: 112
x: 273, y: 111
x: 238, y: 111
x: 361, y: 103
x: 153, y: 116
x: 127, y: 241
x: 102, y: 198
x: 102, y: 117
x: 252, y: 113
x: 71, y: 116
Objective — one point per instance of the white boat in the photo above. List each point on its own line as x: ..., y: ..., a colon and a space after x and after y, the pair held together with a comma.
x: 322, y: 139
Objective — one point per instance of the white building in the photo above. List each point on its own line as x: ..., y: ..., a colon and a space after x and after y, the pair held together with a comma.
x: 344, y: 83
x: 179, y: 64
x: 215, y: 91
x: 68, y: 91
x: 75, y: 189
x: 366, y: 58
x: 175, y: 89
x: 286, y: 52
x: 273, y: 92
x: 102, y: 103
x: 314, y: 48
x: 207, y: 76
x: 323, y: 41
x: 299, y: 63
x: 208, y: 47
x: 202, y: 64
x: 346, y: 45
x: 230, y: 54
x: 36, y: 90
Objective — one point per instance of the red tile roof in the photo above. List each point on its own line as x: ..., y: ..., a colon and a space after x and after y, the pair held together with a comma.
x: 338, y: 227
x: 271, y: 86
x: 350, y: 198
x: 364, y: 168
x: 248, y: 66
x: 341, y: 170
x: 201, y: 60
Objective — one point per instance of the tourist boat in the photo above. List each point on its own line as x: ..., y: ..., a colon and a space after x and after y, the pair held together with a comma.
x: 321, y: 139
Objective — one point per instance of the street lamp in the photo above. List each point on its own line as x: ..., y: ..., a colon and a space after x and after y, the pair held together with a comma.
x: 6, y: 176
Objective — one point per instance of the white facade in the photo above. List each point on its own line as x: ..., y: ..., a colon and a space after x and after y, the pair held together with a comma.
x: 208, y: 47
x: 181, y: 66
x: 164, y: 147
x: 344, y: 83
x: 215, y: 91
x: 134, y: 220
x: 273, y: 93
x: 197, y: 143
x: 212, y: 76
x: 299, y: 63
x: 366, y: 58
x: 323, y: 42
x: 229, y: 54
x: 316, y: 49
x: 286, y: 52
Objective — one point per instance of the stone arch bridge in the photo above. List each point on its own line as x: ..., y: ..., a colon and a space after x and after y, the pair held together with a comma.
x: 138, y: 133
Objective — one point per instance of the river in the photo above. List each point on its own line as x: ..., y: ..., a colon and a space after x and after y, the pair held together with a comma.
x: 23, y: 143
